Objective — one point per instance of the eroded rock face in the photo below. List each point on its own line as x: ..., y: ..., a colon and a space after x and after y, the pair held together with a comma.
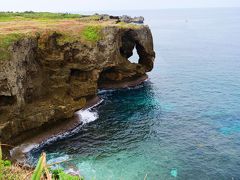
x: 42, y: 86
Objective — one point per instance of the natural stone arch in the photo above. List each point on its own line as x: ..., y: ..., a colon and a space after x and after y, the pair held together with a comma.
x: 129, y: 43
x: 135, y: 57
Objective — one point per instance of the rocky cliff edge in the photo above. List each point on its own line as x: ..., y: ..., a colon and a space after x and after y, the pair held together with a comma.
x: 50, y: 70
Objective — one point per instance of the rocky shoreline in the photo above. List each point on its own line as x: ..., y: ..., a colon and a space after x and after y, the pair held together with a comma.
x: 50, y: 70
x: 18, y: 153
x: 124, y: 84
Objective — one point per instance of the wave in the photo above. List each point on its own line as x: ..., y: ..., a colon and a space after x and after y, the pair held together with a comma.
x: 85, y: 116
x: 104, y: 91
x: 88, y: 115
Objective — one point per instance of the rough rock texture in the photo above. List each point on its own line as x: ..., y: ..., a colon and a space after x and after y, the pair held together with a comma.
x: 124, y: 18
x: 42, y: 86
x: 128, y: 19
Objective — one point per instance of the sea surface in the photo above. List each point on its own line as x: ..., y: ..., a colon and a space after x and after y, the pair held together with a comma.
x: 183, y: 123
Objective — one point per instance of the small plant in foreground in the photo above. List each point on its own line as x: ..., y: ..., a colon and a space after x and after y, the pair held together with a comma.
x: 60, y: 174
x: 41, y: 172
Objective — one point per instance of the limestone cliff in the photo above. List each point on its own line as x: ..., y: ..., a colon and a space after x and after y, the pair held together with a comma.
x: 46, y: 81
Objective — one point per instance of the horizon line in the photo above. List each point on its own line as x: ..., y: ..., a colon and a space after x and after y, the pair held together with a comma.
x: 170, y: 8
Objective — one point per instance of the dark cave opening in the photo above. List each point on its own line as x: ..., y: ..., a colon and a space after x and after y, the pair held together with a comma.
x: 7, y: 100
x: 132, y: 49
x: 128, y: 48
x: 107, y: 75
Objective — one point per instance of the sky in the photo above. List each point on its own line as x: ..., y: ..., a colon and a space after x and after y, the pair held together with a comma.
x: 101, y: 5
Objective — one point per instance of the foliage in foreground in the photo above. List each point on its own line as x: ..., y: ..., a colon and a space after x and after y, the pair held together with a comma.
x: 41, y: 172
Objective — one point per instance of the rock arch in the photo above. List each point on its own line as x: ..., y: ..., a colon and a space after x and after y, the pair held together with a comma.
x: 130, y: 41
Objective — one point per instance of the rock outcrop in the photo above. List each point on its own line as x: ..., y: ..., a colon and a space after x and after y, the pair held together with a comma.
x: 124, y: 18
x: 43, y: 85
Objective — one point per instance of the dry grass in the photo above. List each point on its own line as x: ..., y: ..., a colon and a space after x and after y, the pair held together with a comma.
x: 37, y: 22
x: 16, y: 172
x: 72, y: 27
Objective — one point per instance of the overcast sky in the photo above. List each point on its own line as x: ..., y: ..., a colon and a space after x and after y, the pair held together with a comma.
x: 99, y: 5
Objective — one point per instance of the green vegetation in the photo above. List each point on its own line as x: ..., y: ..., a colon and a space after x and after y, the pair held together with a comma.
x: 5, y: 42
x: 92, y: 33
x: 68, y: 38
x: 91, y: 18
x: 128, y: 25
x: 89, y: 33
x: 29, y: 15
x: 60, y: 174
x: 70, y: 27
x: 38, y: 172
x: 41, y: 172
x: 9, y: 171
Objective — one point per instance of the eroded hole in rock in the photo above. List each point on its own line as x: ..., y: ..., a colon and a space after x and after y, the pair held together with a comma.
x: 129, y: 47
x: 75, y: 72
x: 7, y: 100
x: 135, y: 57
x: 128, y: 44
x: 145, y: 58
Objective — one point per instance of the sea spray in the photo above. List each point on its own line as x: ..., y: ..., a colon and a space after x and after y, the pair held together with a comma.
x: 85, y: 116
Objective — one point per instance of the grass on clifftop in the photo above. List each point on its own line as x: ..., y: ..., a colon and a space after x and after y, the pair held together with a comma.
x: 5, y: 42
x: 10, y: 16
x: 89, y: 33
x: 92, y: 33
x: 70, y: 27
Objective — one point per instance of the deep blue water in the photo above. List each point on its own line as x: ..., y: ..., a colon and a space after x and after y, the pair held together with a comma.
x: 184, y: 123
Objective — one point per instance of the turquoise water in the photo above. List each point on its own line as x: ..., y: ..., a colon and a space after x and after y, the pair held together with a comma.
x: 184, y: 123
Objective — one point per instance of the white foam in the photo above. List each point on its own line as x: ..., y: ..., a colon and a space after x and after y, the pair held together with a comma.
x: 104, y: 91
x: 72, y: 171
x: 87, y: 116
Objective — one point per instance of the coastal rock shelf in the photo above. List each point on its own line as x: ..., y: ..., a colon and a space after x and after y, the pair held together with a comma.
x: 49, y: 76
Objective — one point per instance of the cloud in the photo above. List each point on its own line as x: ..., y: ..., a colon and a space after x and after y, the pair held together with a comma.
x: 97, y: 5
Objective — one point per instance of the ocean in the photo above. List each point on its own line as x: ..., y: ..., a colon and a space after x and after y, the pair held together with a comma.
x: 183, y: 123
